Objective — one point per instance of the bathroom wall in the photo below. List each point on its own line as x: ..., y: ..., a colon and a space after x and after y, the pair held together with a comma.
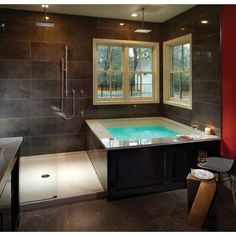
x: 30, y: 78
x: 206, y: 65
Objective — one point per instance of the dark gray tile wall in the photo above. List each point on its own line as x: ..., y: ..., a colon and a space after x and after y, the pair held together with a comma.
x: 206, y: 65
x: 30, y: 74
x: 30, y: 78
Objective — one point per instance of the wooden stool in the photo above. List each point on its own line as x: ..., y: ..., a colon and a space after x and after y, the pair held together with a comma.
x: 201, y: 195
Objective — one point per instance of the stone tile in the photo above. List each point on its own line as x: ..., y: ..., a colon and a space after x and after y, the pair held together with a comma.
x: 46, y: 51
x: 14, y: 88
x: 43, y: 107
x: 57, y: 34
x: 80, y: 70
x: 75, y: 125
x: 11, y: 108
x: 155, y: 212
x: 78, y: 85
x: 14, y: 127
x: 208, y: 114
x: 45, y: 70
x: 17, y: 30
x: 77, y: 52
x: 44, y: 145
x: 56, y: 18
x: 12, y: 15
x: 82, y: 21
x: 206, y: 58
x: 45, y: 89
x: 71, y: 142
x: 81, y: 33
x: 207, y: 12
x: 43, y: 126
x: 11, y: 49
x: 14, y: 69
x: 25, y: 146
x: 209, y: 91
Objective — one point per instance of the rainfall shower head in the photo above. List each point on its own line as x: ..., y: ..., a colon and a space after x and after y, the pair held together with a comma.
x: 142, y: 30
x: 44, y: 22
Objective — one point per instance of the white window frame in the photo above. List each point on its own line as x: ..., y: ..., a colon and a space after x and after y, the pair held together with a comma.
x: 126, y: 98
x: 167, y: 68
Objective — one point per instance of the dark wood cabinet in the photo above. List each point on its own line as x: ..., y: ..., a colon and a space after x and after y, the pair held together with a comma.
x: 9, y: 184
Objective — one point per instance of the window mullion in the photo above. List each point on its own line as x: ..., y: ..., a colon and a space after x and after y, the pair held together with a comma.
x: 126, y: 73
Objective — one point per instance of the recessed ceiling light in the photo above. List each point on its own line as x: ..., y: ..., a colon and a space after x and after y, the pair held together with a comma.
x: 45, y: 6
x: 122, y: 23
x: 204, y: 21
x: 134, y: 14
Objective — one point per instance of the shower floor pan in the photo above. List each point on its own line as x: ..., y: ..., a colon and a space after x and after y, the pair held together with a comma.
x: 57, y: 178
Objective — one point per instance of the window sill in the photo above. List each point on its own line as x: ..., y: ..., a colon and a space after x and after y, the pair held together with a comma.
x: 178, y: 104
x: 119, y: 102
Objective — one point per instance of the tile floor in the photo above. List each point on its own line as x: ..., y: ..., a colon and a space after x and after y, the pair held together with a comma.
x: 71, y: 174
x: 156, y: 212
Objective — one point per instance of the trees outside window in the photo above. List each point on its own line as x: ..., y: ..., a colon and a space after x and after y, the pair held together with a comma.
x: 177, y: 77
x: 125, y: 72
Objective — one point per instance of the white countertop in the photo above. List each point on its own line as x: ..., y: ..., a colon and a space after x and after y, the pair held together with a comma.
x: 10, y: 148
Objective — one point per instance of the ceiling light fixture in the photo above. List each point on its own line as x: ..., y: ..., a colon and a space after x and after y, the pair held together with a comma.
x: 134, y: 14
x: 45, y: 22
x: 204, y: 21
x: 122, y: 24
x: 142, y: 30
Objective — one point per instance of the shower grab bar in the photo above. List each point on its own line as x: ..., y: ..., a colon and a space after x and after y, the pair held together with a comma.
x: 64, y: 87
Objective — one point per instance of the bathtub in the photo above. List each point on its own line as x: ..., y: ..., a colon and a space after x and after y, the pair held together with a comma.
x: 141, y: 165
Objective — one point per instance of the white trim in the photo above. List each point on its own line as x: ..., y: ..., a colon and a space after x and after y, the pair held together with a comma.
x: 166, y: 71
x: 126, y: 98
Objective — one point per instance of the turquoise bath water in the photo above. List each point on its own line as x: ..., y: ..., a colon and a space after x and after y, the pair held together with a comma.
x: 141, y: 132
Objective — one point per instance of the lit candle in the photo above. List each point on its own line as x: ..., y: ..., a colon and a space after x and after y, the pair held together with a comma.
x: 207, y: 130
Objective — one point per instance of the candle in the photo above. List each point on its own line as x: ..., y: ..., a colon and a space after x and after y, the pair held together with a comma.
x: 207, y: 130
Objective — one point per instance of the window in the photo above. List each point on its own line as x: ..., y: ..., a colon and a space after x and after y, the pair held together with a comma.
x: 125, y: 72
x: 177, y: 73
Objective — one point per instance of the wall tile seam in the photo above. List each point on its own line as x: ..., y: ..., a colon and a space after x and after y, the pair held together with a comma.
x: 19, y: 79
x: 26, y: 41
x: 199, y: 101
x: 16, y: 60
x: 213, y: 35
x: 55, y: 134
x: 207, y: 103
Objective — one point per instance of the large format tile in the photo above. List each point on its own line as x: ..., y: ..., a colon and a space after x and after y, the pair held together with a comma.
x: 12, y: 108
x: 44, y: 144
x: 14, y: 69
x: 14, y: 88
x: 12, y: 127
x: 45, y: 70
x: 43, y: 126
x: 155, y: 212
x: 11, y: 49
x: 45, y: 89
x: 46, y: 51
x: 43, y: 107
x: 19, y: 30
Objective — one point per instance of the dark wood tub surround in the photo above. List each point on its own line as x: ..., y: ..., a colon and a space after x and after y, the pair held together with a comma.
x: 136, y: 170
